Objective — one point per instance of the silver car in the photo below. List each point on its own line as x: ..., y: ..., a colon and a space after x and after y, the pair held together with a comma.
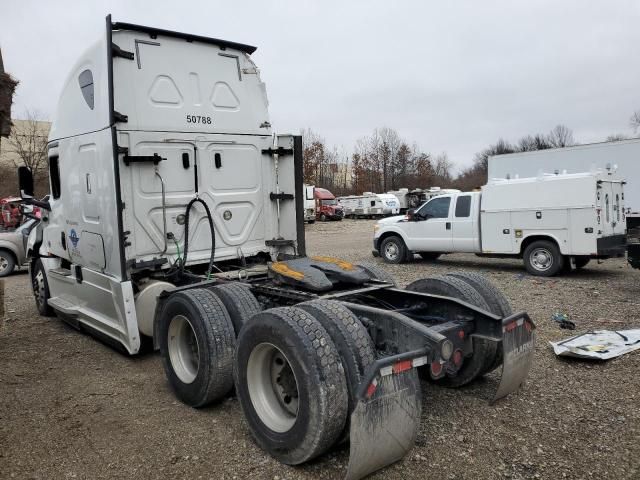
x: 12, y: 247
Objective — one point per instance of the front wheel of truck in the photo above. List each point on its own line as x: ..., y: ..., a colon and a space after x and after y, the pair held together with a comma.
x: 393, y: 250
x: 542, y: 258
x: 41, y: 289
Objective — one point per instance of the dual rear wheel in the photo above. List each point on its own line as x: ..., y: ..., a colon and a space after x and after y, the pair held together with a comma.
x: 295, y: 369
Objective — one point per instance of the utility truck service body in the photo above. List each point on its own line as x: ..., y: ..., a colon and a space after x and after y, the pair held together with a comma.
x: 549, y: 221
x: 177, y: 215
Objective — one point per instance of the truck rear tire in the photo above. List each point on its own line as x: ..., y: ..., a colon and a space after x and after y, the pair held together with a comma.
x: 497, y: 302
x: 197, y: 345
x: 239, y: 302
x: 7, y: 262
x: 40, y: 287
x: 393, y: 250
x: 291, y: 384
x: 542, y: 258
x: 377, y: 272
x: 352, y: 341
x: 484, y: 351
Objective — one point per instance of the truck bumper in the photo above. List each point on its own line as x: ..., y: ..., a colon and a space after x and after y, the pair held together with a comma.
x: 613, y: 246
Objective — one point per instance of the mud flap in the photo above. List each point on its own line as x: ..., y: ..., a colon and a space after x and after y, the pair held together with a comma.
x: 518, y: 345
x: 384, y: 425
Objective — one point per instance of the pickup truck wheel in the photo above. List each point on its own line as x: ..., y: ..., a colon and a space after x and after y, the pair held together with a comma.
x: 483, y: 351
x: 196, y: 345
x: 543, y: 258
x: 291, y: 384
x: 497, y: 302
x: 239, y: 302
x: 581, y: 262
x: 7, y: 263
x: 431, y: 256
x: 393, y: 250
x: 378, y: 273
x: 41, y: 289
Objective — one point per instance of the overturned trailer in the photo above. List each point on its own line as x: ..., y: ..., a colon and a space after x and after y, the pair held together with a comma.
x: 177, y: 214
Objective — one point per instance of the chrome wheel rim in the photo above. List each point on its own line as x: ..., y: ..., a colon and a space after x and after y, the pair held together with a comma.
x: 4, y: 264
x: 184, y: 352
x: 273, y: 387
x: 541, y: 259
x: 391, y: 250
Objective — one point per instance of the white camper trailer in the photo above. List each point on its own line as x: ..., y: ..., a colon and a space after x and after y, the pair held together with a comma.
x: 431, y: 192
x: 408, y: 199
x: 369, y: 205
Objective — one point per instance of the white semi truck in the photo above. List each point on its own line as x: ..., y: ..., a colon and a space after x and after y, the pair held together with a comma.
x: 177, y: 215
x: 549, y: 221
x: 309, y: 203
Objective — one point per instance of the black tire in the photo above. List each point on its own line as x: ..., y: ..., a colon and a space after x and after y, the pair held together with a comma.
x: 581, y: 262
x: 495, y: 299
x: 429, y: 256
x: 553, y: 262
x: 393, y: 250
x: 209, y: 326
x: 239, y: 302
x: 352, y: 341
x: 305, y: 353
x: 7, y: 262
x: 484, y: 351
x: 377, y: 272
x: 323, y: 217
x: 311, y: 222
x: 40, y: 287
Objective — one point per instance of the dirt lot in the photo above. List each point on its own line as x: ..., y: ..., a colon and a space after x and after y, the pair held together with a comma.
x: 71, y: 407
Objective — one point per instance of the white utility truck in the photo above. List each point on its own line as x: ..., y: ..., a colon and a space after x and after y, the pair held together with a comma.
x: 549, y: 221
x: 309, y: 203
x: 177, y: 215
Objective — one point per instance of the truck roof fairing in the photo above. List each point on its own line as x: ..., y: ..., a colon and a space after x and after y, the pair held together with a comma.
x: 152, y: 31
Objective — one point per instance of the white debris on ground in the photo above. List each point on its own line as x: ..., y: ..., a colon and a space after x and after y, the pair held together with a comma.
x: 599, y: 344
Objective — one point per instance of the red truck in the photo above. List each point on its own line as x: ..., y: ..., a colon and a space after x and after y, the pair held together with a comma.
x: 327, y: 207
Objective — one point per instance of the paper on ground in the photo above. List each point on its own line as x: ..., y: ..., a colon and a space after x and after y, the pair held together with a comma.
x: 599, y: 344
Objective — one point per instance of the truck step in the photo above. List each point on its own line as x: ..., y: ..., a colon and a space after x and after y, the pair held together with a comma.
x: 63, y: 305
x: 65, y: 272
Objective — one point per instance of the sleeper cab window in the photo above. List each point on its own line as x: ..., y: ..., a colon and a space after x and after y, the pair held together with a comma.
x: 85, y: 79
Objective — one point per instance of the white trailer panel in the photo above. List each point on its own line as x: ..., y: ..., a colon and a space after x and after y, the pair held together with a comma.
x: 580, y: 158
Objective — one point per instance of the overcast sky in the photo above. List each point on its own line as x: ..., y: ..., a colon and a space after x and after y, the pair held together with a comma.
x: 451, y: 76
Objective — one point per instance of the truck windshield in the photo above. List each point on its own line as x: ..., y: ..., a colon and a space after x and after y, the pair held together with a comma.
x: 329, y: 202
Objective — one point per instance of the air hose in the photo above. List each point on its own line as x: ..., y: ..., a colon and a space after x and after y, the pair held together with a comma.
x: 186, y: 235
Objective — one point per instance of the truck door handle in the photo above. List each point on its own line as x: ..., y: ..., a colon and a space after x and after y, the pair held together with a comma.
x: 448, y: 225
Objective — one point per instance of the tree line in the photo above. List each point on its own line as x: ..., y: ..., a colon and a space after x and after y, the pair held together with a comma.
x: 384, y: 161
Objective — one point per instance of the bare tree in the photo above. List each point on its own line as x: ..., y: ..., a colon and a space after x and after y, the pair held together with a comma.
x: 616, y: 137
x: 29, y: 144
x: 635, y: 120
x: 7, y: 88
x: 561, y: 136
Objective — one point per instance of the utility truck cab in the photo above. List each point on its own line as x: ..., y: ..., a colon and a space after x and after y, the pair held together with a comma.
x: 551, y: 221
x: 177, y: 215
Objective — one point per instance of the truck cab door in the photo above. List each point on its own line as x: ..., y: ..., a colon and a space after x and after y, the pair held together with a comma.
x: 431, y: 228
x: 464, y: 221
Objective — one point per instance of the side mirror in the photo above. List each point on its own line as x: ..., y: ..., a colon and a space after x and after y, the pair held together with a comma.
x: 25, y: 181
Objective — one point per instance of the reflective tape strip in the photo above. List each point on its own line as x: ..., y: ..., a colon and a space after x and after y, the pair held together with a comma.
x: 403, y: 366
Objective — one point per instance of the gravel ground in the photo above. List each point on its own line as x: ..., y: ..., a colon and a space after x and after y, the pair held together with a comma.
x: 71, y: 407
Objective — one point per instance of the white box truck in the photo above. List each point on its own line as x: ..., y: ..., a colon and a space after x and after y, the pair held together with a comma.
x: 549, y: 221
x: 177, y: 214
x: 309, y: 203
x: 622, y: 158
